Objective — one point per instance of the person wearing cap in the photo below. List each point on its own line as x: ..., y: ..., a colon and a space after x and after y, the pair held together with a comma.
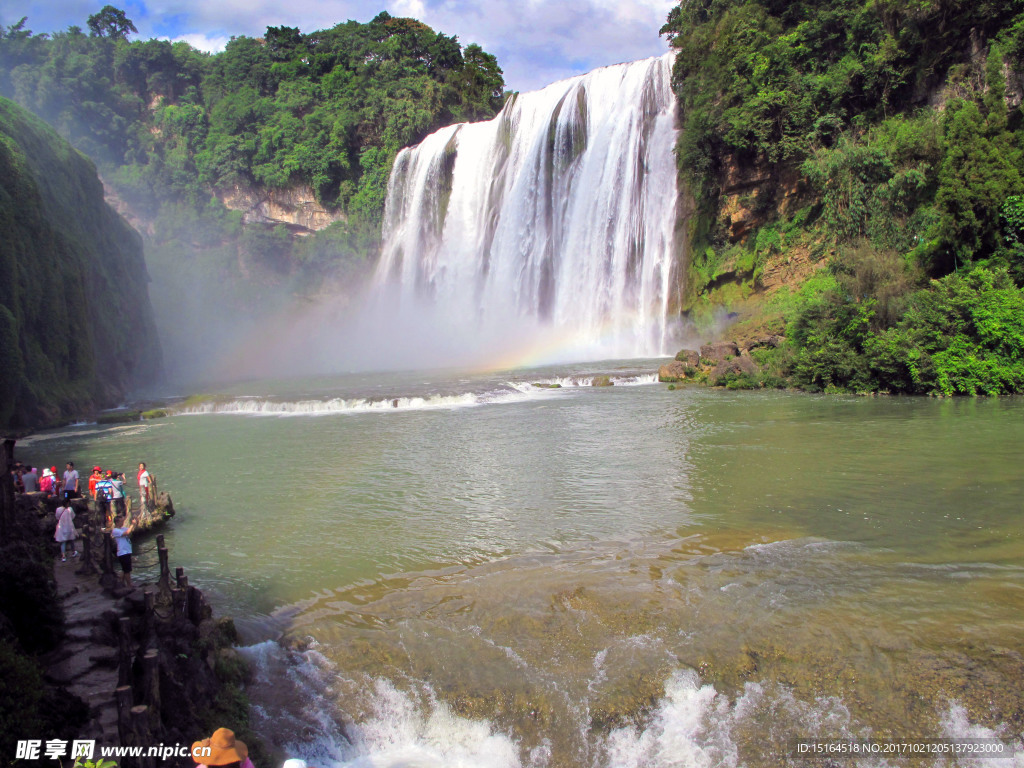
x: 47, y: 482
x: 95, y: 477
x: 222, y: 749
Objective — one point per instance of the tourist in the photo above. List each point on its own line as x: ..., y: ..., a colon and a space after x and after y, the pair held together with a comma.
x: 31, y: 480
x: 225, y: 750
x: 48, y: 483
x: 147, y: 489
x: 16, y: 474
x: 122, y: 535
x: 117, y: 506
x: 57, y: 488
x: 71, y: 481
x: 65, y: 532
x: 95, y: 477
x: 104, y: 493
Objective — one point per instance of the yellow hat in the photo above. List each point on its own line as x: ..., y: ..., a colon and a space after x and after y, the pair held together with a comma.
x: 224, y: 749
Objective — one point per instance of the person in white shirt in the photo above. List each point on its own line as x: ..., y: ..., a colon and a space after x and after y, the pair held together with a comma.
x: 147, y: 491
x: 65, y: 532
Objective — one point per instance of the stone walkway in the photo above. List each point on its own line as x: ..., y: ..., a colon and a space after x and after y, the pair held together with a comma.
x: 86, y: 662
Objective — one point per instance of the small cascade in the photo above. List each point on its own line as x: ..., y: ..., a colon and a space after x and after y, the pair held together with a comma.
x: 556, y: 217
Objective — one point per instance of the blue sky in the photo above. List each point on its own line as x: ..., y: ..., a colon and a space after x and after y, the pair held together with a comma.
x: 536, y: 42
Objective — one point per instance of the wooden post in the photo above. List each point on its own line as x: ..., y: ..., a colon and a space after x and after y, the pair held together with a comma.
x: 195, y: 605
x: 149, y: 627
x: 88, y: 565
x: 179, y: 599
x: 179, y: 577
x: 124, y: 657
x: 6, y: 489
x: 143, y: 735
x: 151, y: 667
x: 165, y: 564
x: 108, y: 554
x: 124, y: 707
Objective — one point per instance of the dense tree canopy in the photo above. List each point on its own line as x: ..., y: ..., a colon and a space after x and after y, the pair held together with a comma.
x: 888, y: 134
x: 330, y: 108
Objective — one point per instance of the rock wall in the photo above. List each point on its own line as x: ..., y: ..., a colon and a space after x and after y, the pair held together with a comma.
x: 296, y: 207
x: 76, y: 324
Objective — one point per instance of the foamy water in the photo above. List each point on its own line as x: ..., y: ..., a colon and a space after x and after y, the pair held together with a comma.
x: 511, y: 392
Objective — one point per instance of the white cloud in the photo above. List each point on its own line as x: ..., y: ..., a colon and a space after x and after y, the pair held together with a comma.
x: 208, y: 43
x: 536, y: 41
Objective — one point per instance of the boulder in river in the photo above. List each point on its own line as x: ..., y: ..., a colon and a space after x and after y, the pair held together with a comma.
x: 674, y: 371
x: 719, y: 351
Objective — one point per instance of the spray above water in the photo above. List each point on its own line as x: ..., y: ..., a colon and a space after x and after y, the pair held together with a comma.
x: 547, y: 230
x: 545, y: 235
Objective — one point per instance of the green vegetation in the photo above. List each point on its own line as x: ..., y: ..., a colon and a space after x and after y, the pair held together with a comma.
x: 876, y: 148
x: 75, y: 322
x: 327, y: 110
x: 31, y: 623
x: 118, y: 417
x: 962, y: 335
x: 213, y: 158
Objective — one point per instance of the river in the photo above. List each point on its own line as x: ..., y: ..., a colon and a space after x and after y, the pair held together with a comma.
x: 466, y: 569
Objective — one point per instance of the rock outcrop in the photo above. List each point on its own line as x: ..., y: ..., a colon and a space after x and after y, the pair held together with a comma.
x: 295, y: 207
x: 721, y: 363
x: 744, y: 364
x: 673, y: 372
x: 719, y: 351
x: 688, y: 357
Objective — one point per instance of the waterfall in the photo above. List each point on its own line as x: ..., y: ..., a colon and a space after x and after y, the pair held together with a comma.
x: 556, y: 217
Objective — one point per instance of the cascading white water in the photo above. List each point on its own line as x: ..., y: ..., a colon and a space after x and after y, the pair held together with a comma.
x: 555, y: 218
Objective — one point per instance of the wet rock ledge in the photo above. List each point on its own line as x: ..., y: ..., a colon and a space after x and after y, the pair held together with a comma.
x: 723, y: 363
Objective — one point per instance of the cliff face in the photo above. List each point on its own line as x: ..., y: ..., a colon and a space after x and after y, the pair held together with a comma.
x: 76, y: 326
x: 296, y: 207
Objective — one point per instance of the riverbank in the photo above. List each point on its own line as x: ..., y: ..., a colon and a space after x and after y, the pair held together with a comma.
x: 129, y: 666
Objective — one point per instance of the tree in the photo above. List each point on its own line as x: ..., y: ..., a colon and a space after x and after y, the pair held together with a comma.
x: 112, y: 23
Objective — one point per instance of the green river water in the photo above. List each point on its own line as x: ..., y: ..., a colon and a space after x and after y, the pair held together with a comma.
x: 463, y: 569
